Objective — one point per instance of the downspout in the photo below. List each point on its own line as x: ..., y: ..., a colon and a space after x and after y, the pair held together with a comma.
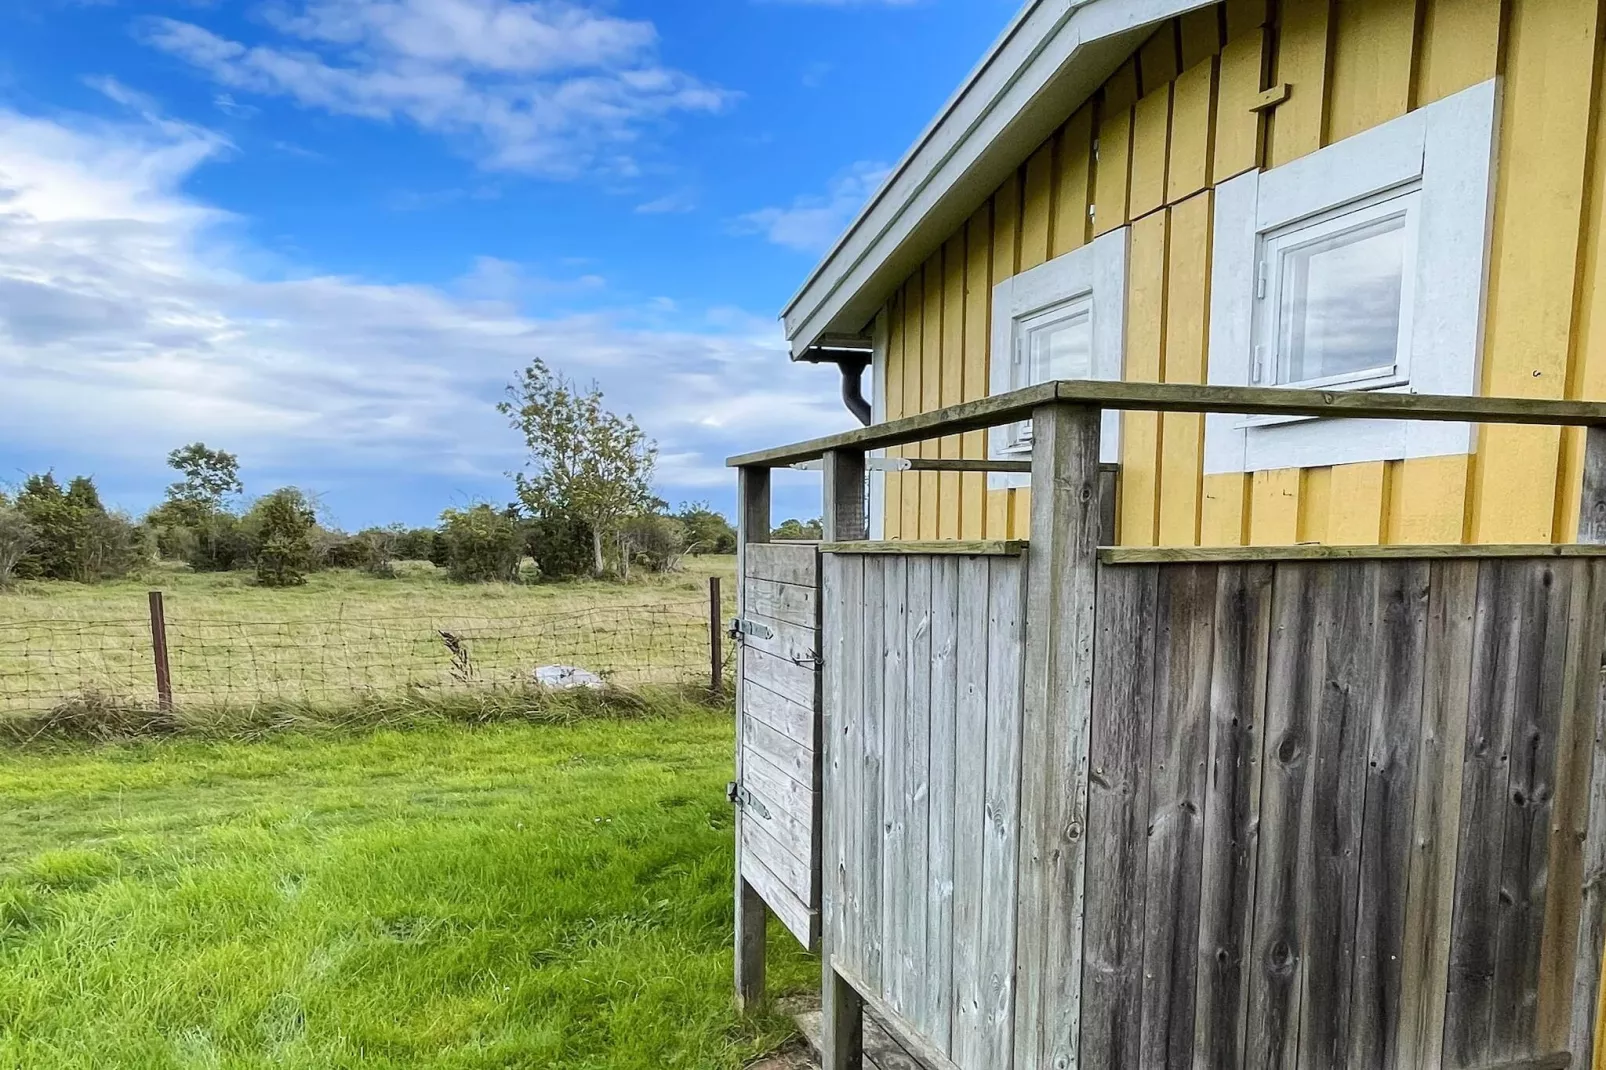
x: 852, y: 355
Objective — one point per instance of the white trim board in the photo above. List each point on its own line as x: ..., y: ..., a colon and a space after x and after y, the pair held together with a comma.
x: 1050, y: 60
x: 1450, y: 148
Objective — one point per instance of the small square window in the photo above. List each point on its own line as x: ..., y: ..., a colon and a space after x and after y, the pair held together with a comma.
x: 1336, y: 297
x: 1054, y: 344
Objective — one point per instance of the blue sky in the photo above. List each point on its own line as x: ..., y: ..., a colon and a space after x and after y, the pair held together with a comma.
x: 324, y: 234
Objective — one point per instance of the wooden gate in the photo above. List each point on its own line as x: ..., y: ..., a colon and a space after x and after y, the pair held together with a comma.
x: 777, y: 791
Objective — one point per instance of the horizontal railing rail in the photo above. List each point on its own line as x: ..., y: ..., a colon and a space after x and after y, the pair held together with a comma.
x: 1183, y: 397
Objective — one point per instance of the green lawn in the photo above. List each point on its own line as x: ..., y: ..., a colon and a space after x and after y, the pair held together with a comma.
x: 513, y: 896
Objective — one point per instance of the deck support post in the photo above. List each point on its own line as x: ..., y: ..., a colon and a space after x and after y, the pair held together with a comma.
x: 752, y: 916
x: 841, y: 1007
x: 1588, y: 964
x: 1056, y: 719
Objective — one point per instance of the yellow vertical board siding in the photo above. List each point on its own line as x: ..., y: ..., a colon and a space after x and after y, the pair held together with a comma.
x: 953, y: 377
x: 1460, y: 47
x: 1187, y: 328
x: 1302, y: 49
x: 931, y: 388
x: 1151, y: 132
x: 1358, y: 515
x: 1239, y: 131
x: 1315, y: 506
x: 1224, y: 511
x: 1242, y: 16
x: 1274, y: 507
x: 1374, y: 42
x: 1160, y: 58
x: 1037, y: 207
x: 1140, y: 431
x: 913, y: 323
x: 1114, y: 170
x: 1193, y: 126
x: 1544, y: 145
x: 978, y: 310
x: 892, y: 404
x: 1201, y: 35
x: 1428, y: 500
x: 1005, y: 264
x: 1075, y: 177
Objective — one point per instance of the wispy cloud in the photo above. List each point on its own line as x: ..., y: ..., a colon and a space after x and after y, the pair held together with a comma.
x: 546, y: 86
x: 126, y: 322
x: 812, y: 222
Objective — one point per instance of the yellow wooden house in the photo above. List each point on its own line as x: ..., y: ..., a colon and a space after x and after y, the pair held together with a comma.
x: 1392, y: 195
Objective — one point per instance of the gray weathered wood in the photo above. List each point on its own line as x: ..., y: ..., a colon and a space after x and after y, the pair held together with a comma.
x: 1000, y: 409
x: 1056, y: 714
x: 794, y: 682
x: 1118, y: 815
x: 1345, y: 659
x: 801, y: 920
x: 1184, y: 651
x: 970, y: 806
x: 844, y: 513
x: 901, y: 1029
x: 1271, y: 1033
x: 791, y: 718
x: 911, y: 893
x: 784, y: 562
x: 752, y: 529
x: 947, y: 547
x: 841, y: 1023
x: 787, y: 641
x: 795, y: 759
x: 942, y: 773
x: 1592, y: 502
x: 992, y: 1042
x: 1393, y: 737
x: 872, y: 829
x: 1590, y: 707
x: 1436, y: 820
x: 894, y: 806
x: 790, y: 602
x: 1231, y: 811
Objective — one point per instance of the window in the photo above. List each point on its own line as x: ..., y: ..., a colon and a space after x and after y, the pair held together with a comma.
x: 1359, y: 267
x: 1065, y: 319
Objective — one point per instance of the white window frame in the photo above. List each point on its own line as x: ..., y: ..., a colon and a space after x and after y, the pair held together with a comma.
x: 1095, y: 275
x: 1443, y: 156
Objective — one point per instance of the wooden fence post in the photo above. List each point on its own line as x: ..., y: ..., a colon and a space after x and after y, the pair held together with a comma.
x: 716, y: 652
x: 1056, y: 719
x: 1588, y: 967
x: 164, y: 671
x: 841, y: 1007
x: 752, y: 916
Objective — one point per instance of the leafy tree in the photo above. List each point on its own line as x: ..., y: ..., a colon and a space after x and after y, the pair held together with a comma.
x: 74, y: 536
x: 417, y: 544
x: 707, y: 532
x: 16, y: 536
x: 560, y: 546
x: 483, y: 544
x: 210, y: 477
x: 281, y: 525
x: 586, y: 463
x: 654, y: 540
x: 800, y: 531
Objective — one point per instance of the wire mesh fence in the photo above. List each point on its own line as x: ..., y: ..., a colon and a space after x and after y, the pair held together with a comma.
x: 235, y: 662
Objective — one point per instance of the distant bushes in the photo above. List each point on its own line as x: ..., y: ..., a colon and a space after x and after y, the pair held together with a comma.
x: 55, y: 532
x: 482, y: 544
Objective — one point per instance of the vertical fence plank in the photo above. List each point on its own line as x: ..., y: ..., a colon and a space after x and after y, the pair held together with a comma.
x: 1231, y: 811
x: 164, y: 670
x: 1393, y: 737
x: 1056, y: 716
x: 1184, y: 650
x: 1117, y: 815
x: 753, y: 526
x: 1271, y: 1035
x: 943, y: 771
x: 1591, y: 709
x: 916, y: 754
x: 872, y: 773
x: 1436, y: 818
x: 894, y: 809
x: 970, y: 800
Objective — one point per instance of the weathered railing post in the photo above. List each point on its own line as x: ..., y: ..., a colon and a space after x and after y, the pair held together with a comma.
x: 752, y: 525
x: 1056, y: 719
x: 164, y: 670
x: 1587, y: 967
x: 716, y: 652
x: 842, y: 1009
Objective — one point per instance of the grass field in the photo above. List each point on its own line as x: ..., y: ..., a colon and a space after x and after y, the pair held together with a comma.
x: 346, y: 634
x: 511, y: 896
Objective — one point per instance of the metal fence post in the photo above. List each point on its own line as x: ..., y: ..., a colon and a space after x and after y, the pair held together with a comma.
x: 164, y: 671
x: 716, y: 667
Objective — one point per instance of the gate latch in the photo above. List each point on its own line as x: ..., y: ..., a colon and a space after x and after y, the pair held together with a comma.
x: 743, y: 799
x: 740, y: 629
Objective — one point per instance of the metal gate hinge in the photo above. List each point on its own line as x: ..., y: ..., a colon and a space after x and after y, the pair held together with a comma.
x: 742, y: 798
x: 740, y: 629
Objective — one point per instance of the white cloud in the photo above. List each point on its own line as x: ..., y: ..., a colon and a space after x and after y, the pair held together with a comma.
x: 126, y: 327
x: 545, y: 86
x: 812, y: 223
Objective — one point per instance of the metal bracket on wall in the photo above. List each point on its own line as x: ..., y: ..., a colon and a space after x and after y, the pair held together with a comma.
x: 741, y: 797
x: 741, y: 629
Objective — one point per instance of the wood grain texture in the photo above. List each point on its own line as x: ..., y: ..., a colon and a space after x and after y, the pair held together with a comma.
x: 752, y: 530
x: 943, y: 774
